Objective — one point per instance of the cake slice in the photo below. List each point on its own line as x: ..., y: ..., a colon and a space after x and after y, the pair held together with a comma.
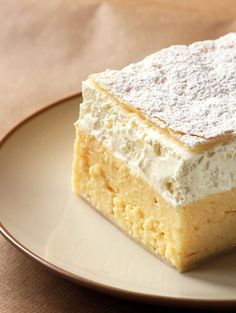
x: 155, y: 150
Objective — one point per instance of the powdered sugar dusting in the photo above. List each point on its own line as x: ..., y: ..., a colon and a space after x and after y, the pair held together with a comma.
x: 188, y: 89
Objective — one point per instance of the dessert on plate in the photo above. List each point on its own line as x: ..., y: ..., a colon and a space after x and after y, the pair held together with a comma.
x: 155, y: 150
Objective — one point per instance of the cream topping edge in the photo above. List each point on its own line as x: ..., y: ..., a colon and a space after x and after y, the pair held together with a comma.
x: 178, y: 175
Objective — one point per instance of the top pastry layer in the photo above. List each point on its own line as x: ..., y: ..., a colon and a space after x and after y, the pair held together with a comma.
x: 188, y: 91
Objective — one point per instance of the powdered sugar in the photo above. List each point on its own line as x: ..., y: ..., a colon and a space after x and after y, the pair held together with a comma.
x: 188, y: 89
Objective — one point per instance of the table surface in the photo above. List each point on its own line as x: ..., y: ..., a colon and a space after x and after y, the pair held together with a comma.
x: 47, y: 49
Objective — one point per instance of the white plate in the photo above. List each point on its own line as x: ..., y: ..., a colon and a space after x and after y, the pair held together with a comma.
x: 42, y: 217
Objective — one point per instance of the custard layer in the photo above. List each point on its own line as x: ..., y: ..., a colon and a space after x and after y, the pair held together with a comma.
x: 182, y: 237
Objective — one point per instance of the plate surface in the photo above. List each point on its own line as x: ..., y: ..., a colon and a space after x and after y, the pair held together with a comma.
x: 42, y: 217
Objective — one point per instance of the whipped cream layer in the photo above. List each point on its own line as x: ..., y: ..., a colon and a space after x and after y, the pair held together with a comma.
x: 179, y: 175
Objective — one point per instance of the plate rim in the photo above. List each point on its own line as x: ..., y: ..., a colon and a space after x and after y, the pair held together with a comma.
x: 172, y: 301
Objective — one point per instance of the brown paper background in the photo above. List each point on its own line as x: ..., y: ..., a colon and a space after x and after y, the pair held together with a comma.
x: 46, y: 49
